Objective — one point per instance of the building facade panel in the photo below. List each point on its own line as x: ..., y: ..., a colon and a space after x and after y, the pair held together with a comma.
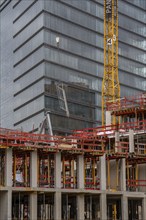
x: 29, y: 93
x: 30, y: 108
x: 30, y: 78
x: 28, y: 47
x: 29, y: 31
x: 6, y: 67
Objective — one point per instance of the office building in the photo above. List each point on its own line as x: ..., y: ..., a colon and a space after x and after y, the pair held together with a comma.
x: 33, y: 63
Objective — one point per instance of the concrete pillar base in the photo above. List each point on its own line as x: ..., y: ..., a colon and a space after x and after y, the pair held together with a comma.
x: 124, y: 207
x: 103, y: 206
x: 33, y: 206
x: 57, y: 206
x: 80, y: 207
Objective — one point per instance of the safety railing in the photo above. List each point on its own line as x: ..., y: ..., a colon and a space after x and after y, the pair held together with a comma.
x: 21, y: 169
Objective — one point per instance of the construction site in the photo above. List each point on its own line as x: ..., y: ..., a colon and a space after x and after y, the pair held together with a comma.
x: 96, y: 173
x: 93, y: 173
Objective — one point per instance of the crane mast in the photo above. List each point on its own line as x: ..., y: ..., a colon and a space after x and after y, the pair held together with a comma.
x: 110, y: 83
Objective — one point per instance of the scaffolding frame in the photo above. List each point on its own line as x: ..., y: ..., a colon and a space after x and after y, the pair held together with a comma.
x: 89, y: 142
x: 127, y: 104
x: 69, y: 171
x: 45, y: 169
x: 91, y: 173
x: 133, y: 109
x: 21, y: 168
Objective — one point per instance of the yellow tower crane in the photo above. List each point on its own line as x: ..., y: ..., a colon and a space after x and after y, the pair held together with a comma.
x: 110, y: 83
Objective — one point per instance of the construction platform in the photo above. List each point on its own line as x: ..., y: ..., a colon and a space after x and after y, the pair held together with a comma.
x: 95, y: 173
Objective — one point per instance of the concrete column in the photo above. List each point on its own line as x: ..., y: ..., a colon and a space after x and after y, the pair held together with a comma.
x: 144, y: 208
x: 124, y: 200
x: 131, y: 141
x: 57, y: 171
x: 103, y: 206
x: 33, y: 206
x: 102, y: 168
x: 8, y: 168
x: 57, y: 206
x: 6, y: 205
x: 80, y: 207
x: 108, y: 118
x: 33, y: 169
x: 123, y: 175
x: 80, y: 171
x: 117, y: 138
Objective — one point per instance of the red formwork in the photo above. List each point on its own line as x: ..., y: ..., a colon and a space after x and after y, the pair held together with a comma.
x: 69, y: 172
x: 24, y: 140
x: 137, y: 101
x: 88, y: 140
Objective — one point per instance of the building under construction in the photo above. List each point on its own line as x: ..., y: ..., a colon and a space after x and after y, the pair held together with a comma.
x: 95, y: 173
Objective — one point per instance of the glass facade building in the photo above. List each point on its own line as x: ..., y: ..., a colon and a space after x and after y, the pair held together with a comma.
x: 32, y: 62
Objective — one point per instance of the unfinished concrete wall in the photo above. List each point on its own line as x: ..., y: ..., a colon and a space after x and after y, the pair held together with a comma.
x: 113, y: 175
x: 142, y: 177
